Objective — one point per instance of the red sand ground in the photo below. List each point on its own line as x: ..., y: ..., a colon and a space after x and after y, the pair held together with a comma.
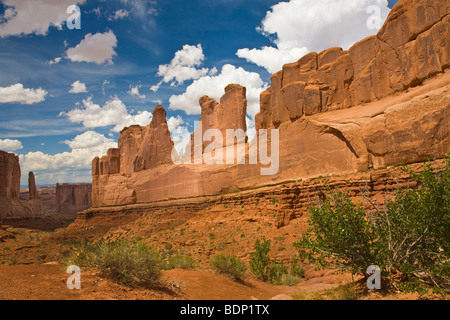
x: 31, y: 252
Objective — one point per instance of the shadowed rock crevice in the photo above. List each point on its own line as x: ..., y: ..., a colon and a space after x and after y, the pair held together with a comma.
x: 340, y: 136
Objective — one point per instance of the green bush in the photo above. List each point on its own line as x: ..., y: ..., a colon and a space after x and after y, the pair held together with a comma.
x: 407, y: 236
x: 296, y: 270
x: 270, y: 271
x: 127, y: 263
x: 229, y: 265
x: 276, y: 272
x: 180, y: 262
x: 288, y: 279
x: 260, y: 262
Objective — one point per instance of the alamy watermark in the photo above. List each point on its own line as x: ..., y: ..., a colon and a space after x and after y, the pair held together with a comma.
x: 374, y: 22
x: 213, y: 147
x: 74, y: 281
x: 74, y: 21
x: 374, y: 281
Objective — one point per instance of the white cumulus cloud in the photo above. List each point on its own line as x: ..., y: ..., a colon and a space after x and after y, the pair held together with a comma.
x: 78, y: 87
x: 89, y: 139
x: 183, y: 67
x: 113, y: 113
x: 10, y: 145
x: 73, y: 166
x: 174, y: 123
x: 134, y: 91
x: 302, y: 26
x: 213, y: 86
x: 16, y: 93
x: 97, y: 48
x: 272, y: 59
x: 23, y: 17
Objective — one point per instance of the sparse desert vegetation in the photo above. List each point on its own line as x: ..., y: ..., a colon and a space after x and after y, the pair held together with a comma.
x: 131, y: 264
x: 150, y: 167
x: 406, y: 236
x: 229, y: 265
x: 166, y: 252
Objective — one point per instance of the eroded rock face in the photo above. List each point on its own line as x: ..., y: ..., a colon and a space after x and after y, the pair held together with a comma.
x: 229, y: 114
x: 9, y: 175
x: 155, y: 146
x: 140, y: 149
x: 395, y: 130
x: 129, y: 141
x: 32, y: 190
x: 73, y: 198
x: 385, y: 101
x: 412, y: 46
x: 11, y: 205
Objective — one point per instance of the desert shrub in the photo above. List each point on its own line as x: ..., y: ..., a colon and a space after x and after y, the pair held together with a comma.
x: 180, y: 262
x: 286, y: 276
x: 288, y: 279
x: 406, y: 237
x: 295, y: 269
x: 168, y: 247
x: 294, y: 275
x: 260, y: 262
x: 126, y: 263
x: 342, y: 292
x: 271, y: 271
x: 276, y: 272
x: 229, y: 265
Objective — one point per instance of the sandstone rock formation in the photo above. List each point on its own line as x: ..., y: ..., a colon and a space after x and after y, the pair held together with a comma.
x: 412, y: 46
x: 48, y: 196
x: 32, y: 190
x: 140, y: 148
x: 73, y: 198
x: 228, y: 116
x: 11, y: 205
x: 385, y: 101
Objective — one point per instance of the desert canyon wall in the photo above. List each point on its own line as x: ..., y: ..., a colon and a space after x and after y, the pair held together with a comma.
x: 384, y: 102
x: 73, y: 198
x: 11, y: 205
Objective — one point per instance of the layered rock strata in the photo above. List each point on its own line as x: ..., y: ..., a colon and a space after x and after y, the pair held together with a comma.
x: 283, y: 202
x: 384, y: 102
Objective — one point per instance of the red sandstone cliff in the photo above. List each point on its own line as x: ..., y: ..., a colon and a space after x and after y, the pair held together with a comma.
x: 73, y: 198
x: 412, y: 46
x: 385, y: 101
x: 11, y: 205
x: 229, y: 114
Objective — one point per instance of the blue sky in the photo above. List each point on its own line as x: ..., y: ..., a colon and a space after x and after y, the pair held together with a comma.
x: 66, y: 94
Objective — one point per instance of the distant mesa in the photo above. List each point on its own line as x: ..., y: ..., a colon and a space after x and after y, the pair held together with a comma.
x: 73, y: 198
